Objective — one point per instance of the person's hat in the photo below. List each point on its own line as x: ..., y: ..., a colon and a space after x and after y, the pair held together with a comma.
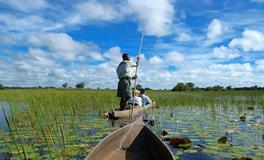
x: 136, y: 91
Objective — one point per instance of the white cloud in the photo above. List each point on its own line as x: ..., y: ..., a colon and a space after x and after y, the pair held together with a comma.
x: 36, y: 60
x: 95, y: 11
x: 221, y: 74
x: 172, y: 58
x: 225, y: 53
x: 225, y: 74
x: 96, y: 56
x: 26, y: 5
x: 155, y: 60
x: 21, y: 23
x: 114, y: 54
x: 42, y: 64
x: 251, y: 41
x: 59, y: 75
x: 260, y: 65
x: 216, y: 28
x: 234, y: 74
x: 184, y: 37
x: 235, y: 69
x: 7, y: 39
x: 153, y: 17
x: 64, y: 47
x: 38, y: 67
x: 58, y: 42
x: 40, y: 57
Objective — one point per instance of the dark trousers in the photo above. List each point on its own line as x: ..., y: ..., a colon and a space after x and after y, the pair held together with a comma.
x: 123, y: 103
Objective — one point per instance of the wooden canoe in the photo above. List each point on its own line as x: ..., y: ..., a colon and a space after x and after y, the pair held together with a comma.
x: 131, y: 142
x: 126, y: 113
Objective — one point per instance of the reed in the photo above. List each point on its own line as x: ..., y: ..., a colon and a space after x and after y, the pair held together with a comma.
x: 57, y: 120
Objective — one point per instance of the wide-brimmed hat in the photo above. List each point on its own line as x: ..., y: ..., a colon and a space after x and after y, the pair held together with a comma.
x: 136, y: 91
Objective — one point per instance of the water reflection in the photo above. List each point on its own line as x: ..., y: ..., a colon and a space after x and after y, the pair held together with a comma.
x: 4, y: 106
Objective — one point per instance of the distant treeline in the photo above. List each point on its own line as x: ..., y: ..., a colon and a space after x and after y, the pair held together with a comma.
x: 179, y: 87
x: 65, y: 85
x: 35, y: 87
x: 191, y: 87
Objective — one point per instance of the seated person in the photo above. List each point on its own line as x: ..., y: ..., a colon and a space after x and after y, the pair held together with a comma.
x: 138, y: 100
x: 145, y: 99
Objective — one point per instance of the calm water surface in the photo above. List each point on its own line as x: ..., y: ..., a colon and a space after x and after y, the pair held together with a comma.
x: 203, y: 125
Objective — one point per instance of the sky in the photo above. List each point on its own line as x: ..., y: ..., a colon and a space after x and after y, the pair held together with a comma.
x: 207, y: 42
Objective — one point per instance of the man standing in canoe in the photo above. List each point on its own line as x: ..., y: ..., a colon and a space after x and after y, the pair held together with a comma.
x: 125, y: 73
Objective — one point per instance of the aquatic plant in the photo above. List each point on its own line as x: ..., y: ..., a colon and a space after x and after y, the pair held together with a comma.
x: 66, y: 123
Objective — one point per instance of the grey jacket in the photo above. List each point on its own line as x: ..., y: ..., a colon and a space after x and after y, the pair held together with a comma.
x: 125, y: 70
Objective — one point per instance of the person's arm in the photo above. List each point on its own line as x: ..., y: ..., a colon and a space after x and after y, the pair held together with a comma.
x: 148, y: 99
x: 137, y: 63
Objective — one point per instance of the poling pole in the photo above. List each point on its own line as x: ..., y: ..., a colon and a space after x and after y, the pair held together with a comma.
x: 135, y: 82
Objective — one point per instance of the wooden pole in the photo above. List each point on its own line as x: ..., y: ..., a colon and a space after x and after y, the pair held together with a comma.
x: 135, y: 82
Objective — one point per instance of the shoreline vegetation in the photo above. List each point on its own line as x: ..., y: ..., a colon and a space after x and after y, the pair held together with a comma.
x: 189, y: 86
x: 106, y: 98
x: 66, y: 123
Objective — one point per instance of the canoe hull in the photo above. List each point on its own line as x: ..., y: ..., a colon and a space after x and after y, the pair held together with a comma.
x: 137, y: 141
x: 127, y: 113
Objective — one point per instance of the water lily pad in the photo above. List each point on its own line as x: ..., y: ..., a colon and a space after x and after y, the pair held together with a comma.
x: 208, y: 151
x: 191, y: 151
x: 178, y: 153
x: 212, y: 147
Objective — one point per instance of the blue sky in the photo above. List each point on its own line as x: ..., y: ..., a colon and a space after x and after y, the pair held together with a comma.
x: 208, y: 42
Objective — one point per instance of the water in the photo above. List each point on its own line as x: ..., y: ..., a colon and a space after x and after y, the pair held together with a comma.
x: 4, y: 106
x: 202, y: 125
x: 205, y: 125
